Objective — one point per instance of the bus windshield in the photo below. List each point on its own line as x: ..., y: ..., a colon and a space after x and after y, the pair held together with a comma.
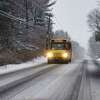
x: 58, y: 46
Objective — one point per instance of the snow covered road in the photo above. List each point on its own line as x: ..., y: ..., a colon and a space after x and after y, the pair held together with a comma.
x: 75, y: 81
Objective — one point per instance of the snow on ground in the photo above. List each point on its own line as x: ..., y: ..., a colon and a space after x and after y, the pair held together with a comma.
x: 98, y: 59
x: 55, y: 83
x: 14, y: 67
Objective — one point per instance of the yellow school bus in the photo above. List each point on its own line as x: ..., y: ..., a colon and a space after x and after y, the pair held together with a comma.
x: 60, y: 51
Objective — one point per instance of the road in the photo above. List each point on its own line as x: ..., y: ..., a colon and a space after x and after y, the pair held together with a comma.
x: 79, y: 80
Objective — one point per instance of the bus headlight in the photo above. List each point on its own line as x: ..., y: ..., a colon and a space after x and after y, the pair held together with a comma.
x: 49, y: 54
x: 65, y: 55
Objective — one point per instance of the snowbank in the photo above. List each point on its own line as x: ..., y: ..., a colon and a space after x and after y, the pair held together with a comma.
x: 15, y: 67
x: 98, y: 59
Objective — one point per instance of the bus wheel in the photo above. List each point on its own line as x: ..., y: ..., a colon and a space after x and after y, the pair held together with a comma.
x: 70, y: 61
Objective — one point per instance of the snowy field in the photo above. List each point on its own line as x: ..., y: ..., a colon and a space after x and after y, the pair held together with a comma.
x: 14, y: 67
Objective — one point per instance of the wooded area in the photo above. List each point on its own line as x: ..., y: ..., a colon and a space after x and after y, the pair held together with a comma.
x: 23, y: 29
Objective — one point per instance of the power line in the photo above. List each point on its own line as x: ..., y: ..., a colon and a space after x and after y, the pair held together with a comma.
x: 10, y: 16
x: 3, y: 13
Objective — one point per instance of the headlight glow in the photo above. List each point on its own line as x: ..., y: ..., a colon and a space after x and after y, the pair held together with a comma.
x: 49, y: 54
x: 65, y: 55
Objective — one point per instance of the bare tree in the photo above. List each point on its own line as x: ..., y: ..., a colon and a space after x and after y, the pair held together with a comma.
x: 94, y: 20
x: 18, y: 32
x: 6, y: 25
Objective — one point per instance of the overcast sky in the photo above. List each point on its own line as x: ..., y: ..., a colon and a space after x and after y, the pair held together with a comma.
x: 71, y: 16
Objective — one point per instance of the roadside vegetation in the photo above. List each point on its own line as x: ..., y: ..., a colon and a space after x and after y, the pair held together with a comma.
x: 94, y: 27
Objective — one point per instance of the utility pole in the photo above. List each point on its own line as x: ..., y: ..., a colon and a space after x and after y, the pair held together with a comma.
x: 35, y: 13
x: 48, y: 35
x: 48, y: 32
